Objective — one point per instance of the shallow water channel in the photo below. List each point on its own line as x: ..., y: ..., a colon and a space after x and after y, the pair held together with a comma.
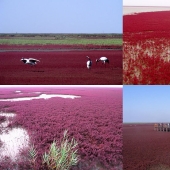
x: 41, y: 96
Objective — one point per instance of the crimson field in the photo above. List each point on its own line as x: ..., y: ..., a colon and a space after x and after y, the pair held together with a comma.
x: 59, y: 65
x: 145, y: 148
x: 146, y: 52
x: 94, y: 120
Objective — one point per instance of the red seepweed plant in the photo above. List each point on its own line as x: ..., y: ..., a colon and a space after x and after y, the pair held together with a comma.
x: 146, y: 51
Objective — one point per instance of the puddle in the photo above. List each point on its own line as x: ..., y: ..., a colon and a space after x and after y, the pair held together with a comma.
x: 7, y: 114
x: 17, y: 91
x: 42, y: 96
x: 12, y: 141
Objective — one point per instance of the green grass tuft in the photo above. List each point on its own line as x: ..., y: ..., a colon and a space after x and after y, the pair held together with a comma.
x: 61, y: 157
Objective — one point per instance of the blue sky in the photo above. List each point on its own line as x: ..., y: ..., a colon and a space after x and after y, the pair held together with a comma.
x: 146, y: 3
x: 61, y: 16
x: 146, y: 103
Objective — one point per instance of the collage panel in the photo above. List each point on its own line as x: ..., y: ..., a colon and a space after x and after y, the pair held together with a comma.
x: 146, y: 79
x: 146, y: 127
x: 66, y: 127
x: 61, y: 42
x: 146, y: 42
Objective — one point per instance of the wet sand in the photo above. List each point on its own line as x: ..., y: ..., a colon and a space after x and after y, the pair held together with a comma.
x: 128, y: 10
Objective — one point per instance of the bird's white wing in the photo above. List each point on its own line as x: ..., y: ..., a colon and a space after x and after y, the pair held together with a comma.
x: 103, y: 58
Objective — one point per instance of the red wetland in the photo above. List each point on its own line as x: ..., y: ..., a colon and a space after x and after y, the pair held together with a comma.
x: 144, y: 148
x: 146, y: 52
x: 93, y: 119
x: 60, y: 65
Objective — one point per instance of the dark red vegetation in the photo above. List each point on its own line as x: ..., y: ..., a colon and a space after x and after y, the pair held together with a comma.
x: 58, y: 47
x: 146, y: 48
x: 156, y: 23
x: 61, y: 68
x: 94, y: 120
x: 144, y: 148
x: 2, y: 118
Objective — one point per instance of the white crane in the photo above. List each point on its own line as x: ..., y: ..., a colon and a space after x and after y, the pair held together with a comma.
x: 104, y: 60
x: 89, y: 62
x: 30, y: 61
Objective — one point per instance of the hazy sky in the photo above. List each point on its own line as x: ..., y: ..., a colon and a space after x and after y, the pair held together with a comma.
x: 146, y: 3
x: 61, y: 16
x: 146, y: 103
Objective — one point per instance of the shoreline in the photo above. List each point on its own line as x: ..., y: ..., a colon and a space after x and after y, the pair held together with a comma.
x: 131, y: 10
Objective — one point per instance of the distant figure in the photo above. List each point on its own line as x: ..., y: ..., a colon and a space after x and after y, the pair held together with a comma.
x: 89, y: 62
x: 104, y: 60
x: 30, y: 61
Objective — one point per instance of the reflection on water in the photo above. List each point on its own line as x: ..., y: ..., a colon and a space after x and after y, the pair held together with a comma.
x: 42, y: 96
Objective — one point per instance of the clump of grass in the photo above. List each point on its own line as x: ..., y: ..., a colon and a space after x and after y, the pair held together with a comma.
x: 58, y: 157
x: 32, y: 154
x: 63, y: 157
